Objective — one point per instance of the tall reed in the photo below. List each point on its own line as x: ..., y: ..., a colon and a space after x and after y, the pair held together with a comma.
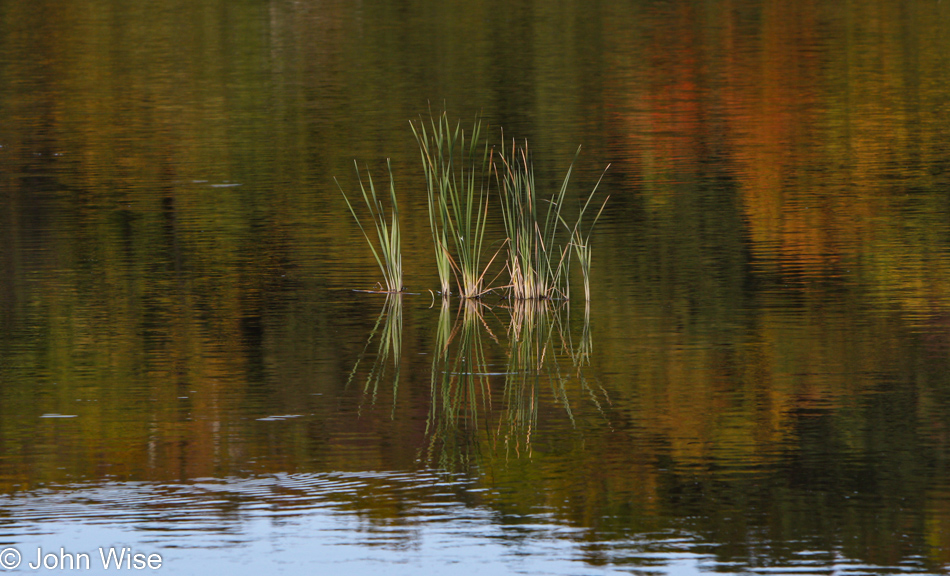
x: 537, y: 264
x: 389, y: 253
x: 456, y: 167
x: 538, y: 259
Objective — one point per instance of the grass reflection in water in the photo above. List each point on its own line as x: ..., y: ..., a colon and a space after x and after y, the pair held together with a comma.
x: 492, y: 369
x: 387, y: 333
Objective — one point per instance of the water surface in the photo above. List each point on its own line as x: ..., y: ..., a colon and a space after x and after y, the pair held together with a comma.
x: 759, y: 384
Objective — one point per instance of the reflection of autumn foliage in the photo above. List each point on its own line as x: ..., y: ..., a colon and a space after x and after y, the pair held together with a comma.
x: 813, y: 118
x: 816, y: 126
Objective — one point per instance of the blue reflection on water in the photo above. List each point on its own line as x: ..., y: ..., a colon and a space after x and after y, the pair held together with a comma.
x: 315, y: 523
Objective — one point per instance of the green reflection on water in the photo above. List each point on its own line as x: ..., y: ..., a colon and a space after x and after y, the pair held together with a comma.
x: 482, y: 405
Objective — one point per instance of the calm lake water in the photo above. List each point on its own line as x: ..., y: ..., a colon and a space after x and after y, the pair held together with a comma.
x: 760, y: 383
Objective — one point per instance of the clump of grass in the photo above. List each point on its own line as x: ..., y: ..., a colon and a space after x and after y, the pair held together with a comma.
x: 457, y: 174
x: 538, y: 260
x: 388, y: 254
x: 538, y: 266
x: 431, y: 147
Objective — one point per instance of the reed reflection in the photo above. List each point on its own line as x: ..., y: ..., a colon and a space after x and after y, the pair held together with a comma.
x: 387, y: 334
x: 460, y: 389
x: 492, y: 369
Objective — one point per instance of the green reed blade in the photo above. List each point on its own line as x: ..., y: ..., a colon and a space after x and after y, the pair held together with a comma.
x: 457, y: 192
x: 388, y: 253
